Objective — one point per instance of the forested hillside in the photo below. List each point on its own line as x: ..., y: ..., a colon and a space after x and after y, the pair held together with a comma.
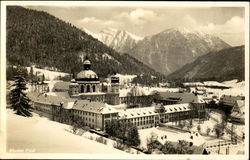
x: 226, y: 64
x: 36, y: 37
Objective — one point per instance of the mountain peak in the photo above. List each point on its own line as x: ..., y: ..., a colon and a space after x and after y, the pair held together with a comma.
x: 172, y: 48
x: 136, y: 37
x: 120, y: 40
x: 184, y: 31
x: 109, y: 30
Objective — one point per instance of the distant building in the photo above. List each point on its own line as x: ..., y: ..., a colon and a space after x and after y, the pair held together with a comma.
x: 229, y: 101
x: 238, y: 112
x: 209, y: 84
x: 147, y: 117
x: 175, y: 98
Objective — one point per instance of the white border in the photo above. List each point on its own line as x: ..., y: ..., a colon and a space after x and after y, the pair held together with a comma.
x: 3, y: 153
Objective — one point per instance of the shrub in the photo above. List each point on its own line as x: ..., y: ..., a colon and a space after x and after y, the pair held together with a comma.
x: 101, y: 140
x: 119, y: 145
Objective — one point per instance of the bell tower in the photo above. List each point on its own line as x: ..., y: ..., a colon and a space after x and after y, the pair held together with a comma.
x: 115, y: 85
x: 113, y: 95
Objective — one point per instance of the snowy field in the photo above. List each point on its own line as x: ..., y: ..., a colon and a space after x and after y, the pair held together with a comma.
x: 238, y: 88
x: 172, y: 135
x: 40, y: 135
x: 49, y: 75
x: 197, y: 140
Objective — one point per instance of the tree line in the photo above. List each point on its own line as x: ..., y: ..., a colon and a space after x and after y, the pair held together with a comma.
x: 126, y: 132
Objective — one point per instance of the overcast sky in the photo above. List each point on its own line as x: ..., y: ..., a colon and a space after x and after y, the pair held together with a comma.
x: 225, y: 22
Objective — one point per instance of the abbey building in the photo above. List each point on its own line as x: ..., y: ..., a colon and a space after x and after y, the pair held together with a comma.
x: 84, y: 99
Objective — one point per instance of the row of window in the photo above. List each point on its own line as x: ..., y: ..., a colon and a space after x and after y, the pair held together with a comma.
x: 89, y: 88
x: 152, y: 117
x: 110, y: 115
x: 79, y: 112
x: 136, y: 99
x: 87, y: 119
x: 46, y: 110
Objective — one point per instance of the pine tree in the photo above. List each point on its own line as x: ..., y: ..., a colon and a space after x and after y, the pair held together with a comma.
x: 18, y: 99
x: 31, y: 74
x: 43, y: 78
x: 133, y: 136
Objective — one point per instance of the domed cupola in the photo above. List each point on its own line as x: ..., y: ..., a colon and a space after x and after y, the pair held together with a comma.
x: 87, y: 64
x: 87, y: 73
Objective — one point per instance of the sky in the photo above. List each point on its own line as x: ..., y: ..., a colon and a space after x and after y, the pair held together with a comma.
x: 228, y: 23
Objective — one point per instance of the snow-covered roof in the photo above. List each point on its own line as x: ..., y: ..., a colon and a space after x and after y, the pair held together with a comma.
x: 137, y: 112
x: 177, y: 108
x: 237, y: 115
x: 150, y: 111
x: 87, y: 74
x: 61, y: 86
x: 94, y: 107
x: 50, y: 98
x: 241, y: 105
x: 69, y: 105
x: 230, y: 100
x: 184, y: 97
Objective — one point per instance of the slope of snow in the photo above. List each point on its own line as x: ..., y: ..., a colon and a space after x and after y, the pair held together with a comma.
x: 40, y: 135
x: 49, y: 75
x: 135, y: 37
x: 238, y: 89
x: 214, y: 84
x: 234, y: 83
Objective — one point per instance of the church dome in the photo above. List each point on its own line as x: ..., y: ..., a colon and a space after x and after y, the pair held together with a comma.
x: 87, y: 74
x: 86, y: 62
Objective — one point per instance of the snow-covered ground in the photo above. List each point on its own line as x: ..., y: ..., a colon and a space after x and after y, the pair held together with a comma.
x: 172, y: 135
x: 40, y: 135
x: 234, y: 83
x: 49, y: 75
x: 237, y: 89
x: 201, y: 138
x: 138, y: 90
x: 109, y: 141
x: 230, y: 91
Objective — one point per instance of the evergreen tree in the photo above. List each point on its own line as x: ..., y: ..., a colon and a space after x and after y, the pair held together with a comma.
x: 31, y: 74
x: 168, y: 148
x: 183, y: 148
x: 43, y: 78
x: 133, y: 138
x: 18, y: 99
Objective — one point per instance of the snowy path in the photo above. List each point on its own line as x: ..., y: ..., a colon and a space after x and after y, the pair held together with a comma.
x: 40, y: 135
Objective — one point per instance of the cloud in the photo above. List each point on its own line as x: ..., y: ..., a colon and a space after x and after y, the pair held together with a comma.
x: 232, y: 31
x: 147, y: 22
x: 89, y: 20
x: 138, y: 16
x: 95, y: 24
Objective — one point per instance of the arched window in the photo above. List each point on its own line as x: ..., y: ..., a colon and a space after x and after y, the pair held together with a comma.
x: 93, y: 88
x: 88, y: 88
x: 82, y: 89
